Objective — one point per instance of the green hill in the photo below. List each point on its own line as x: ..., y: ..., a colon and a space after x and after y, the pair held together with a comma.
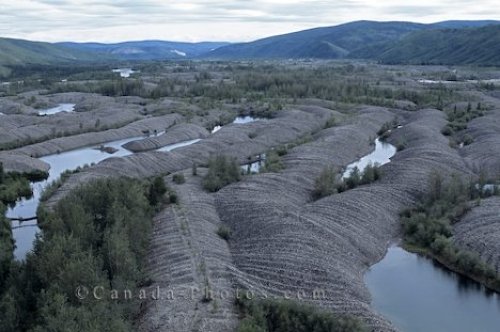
x: 146, y: 49
x: 22, y: 52
x: 327, y: 43
x: 391, y: 42
x: 478, y: 46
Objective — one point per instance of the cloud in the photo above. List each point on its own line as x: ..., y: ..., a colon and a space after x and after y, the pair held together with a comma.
x: 194, y: 20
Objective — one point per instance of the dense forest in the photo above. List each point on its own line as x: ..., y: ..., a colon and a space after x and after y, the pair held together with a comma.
x: 96, y: 237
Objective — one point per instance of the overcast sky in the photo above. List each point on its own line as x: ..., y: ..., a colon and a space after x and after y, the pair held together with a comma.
x: 197, y: 20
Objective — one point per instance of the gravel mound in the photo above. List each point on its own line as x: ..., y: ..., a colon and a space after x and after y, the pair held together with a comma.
x: 176, y: 134
x: 479, y: 231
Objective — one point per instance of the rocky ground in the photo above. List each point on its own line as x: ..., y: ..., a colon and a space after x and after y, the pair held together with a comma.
x: 479, y: 231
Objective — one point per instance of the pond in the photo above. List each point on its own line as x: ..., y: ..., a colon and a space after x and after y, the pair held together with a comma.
x: 238, y: 120
x: 124, y: 72
x: 61, y: 108
x: 245, y: 119
x: 418, y: 295
x: 381, y: 155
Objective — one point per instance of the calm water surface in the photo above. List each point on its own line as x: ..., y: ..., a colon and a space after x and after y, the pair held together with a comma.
x: 418, y: 295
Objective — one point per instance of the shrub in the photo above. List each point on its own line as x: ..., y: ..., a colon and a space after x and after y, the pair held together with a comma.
x: 282, y: 315
x: 447, y: 131
x: 172, y: 197
x: 384, y: 129
x: 401, y: 145
x: 273, y: 163
x: 468, y: 139
x: 324, y: 185
x: 371, y: 173
x: 179, y: 178
x: 221, y: 172
x: 157, y: 190
x: 14, y: 186
x: 224, y: 232
x: 354, y: 178
x: 331, y: 122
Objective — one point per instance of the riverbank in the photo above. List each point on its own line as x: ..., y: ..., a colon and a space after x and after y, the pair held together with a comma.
x: 492, y: 285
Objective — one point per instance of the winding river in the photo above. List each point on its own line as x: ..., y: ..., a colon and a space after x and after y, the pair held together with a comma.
x: 25, y: 232
x: 381, y: 155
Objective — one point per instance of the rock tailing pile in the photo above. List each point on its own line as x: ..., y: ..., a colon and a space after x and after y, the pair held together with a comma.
x: 176, y: 134
x: 479, y: 231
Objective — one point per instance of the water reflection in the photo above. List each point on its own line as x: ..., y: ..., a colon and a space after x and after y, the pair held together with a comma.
x: 71, y: 160
x: 68, y: 108
x: 381, y: 155
x: 417, y: 294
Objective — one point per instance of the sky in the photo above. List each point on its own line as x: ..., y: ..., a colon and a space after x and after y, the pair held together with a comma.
x: 213, y: 20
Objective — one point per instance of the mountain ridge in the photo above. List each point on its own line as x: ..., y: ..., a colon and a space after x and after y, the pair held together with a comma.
x: 459, y: 42
x: 334, y: 42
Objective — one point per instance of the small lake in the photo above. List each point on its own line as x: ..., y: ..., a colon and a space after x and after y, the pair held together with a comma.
x: 61, y: 108
x: 245, y: 119
x: 124, y: 72
x: 381, y: 155
x: 238, y: 120
x: 418, y: 295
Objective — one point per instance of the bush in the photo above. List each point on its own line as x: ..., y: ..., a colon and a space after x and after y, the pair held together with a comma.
x: 273, y: 163
x: 324, y: 185
x: 447, y: 131
x: 468, y: 139
x: 157, y: 190
x: 224, y: 232
x: 354, y: 179
x: 401, y: 145
x: 281, y: 315
x: 221, y: 172
x: 331, y: 122
x: 179, y: 178
x: 172, y: 197
x: 371, y: 173
x: 14, y: 186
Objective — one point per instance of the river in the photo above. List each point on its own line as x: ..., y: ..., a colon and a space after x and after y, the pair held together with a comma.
x: 24, y: 233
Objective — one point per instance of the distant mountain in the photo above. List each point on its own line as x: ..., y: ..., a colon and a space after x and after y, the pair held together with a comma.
x: 22, y: 52
x: 449, y: 42
x: 332, y: 42
x: 479, y: 46
x: 146, y: 50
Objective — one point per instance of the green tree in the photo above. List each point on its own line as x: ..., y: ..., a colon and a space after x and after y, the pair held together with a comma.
x: 222, y: 171
x: 156, y: 191
x: 324, y: 185
x: 2, y: 173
